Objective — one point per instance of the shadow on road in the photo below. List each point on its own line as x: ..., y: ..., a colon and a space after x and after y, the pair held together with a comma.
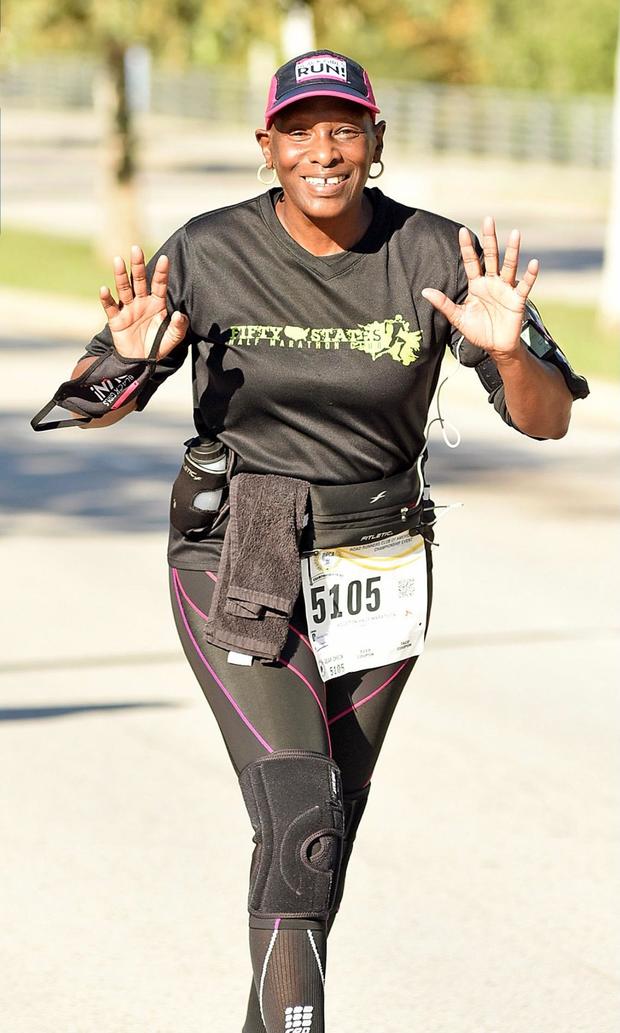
x: 37, y: 713
x: 120, y: 481
x: 115, y: 482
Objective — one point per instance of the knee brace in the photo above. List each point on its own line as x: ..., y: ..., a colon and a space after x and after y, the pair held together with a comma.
x: 294, y: 799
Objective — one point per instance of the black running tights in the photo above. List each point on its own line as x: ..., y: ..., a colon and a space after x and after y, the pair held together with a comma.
x: 285, y: 705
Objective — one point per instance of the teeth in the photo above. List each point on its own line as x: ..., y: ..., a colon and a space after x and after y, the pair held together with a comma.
x: 320, y: 181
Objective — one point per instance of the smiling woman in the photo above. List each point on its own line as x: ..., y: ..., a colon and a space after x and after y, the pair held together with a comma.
x: 322, y: 149
x: 322, y: 143
x: 317, y: 316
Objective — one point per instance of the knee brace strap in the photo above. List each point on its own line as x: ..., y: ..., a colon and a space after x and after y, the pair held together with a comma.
x: 354, y: 807
x: 294, y: 799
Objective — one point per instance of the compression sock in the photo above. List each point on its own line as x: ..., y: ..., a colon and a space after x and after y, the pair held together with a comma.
x: 288, y: 959
x: 354, y: 806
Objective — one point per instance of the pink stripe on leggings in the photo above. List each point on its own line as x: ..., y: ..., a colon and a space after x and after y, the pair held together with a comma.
x: 294, y: 669
x: 177, y: 576
x: 360, y: 703
x: 217, y: 681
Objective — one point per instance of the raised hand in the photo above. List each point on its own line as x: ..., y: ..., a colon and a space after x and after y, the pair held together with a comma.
x: 135, y: 319
x: 492, y: 312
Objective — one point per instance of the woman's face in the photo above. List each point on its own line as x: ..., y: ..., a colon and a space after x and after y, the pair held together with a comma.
x: 322, y: 149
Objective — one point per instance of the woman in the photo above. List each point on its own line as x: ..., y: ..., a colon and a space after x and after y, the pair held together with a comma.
x: 317, y: 315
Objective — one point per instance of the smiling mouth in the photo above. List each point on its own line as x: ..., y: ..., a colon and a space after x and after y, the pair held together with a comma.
x: 322, y: 182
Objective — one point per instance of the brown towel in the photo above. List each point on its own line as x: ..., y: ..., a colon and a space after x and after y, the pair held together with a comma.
x: 260, y: 571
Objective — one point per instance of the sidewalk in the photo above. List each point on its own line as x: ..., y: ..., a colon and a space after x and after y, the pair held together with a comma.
x: 479, y: 898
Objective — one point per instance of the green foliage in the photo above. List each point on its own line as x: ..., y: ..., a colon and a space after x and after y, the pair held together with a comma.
x: 90, y: 25
x: 550, y: 44
x: 546, y: 45
x: 433, y: 40
x: 176, y: 30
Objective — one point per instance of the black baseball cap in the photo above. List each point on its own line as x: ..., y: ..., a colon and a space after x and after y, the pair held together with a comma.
x: 319, y: 73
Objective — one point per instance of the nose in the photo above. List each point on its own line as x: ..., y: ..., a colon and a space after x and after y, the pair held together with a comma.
x: 324, y: 150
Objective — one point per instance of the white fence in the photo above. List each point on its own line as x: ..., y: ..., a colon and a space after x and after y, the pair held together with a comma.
x: 423, y: 117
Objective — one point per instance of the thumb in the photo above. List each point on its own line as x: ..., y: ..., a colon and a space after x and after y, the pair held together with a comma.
x: 442, y: 303
x: 175, y: 332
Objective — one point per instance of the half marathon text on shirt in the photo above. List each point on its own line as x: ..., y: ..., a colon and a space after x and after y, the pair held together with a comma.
x: 393, y: 337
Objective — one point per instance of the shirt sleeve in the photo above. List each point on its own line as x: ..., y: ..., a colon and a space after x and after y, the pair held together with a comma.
x: 178, y: 299
x: 535, y: 337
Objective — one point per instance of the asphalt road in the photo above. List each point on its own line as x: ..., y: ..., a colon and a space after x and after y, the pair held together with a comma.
x: 481, y: 895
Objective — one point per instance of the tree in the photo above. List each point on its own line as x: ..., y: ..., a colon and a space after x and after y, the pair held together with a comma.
x: 432, y: 40
x: 108, y: 30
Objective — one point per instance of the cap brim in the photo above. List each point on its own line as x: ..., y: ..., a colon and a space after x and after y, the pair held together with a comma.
x: 342, y: 92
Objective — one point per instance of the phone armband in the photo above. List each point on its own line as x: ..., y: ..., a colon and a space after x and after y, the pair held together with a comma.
x: 540, y: 343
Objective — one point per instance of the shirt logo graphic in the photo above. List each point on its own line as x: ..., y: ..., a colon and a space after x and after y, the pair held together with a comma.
x: 393, y: 337
x: 323, y: 66
x: 381, y: 495
x: 298, y: 1019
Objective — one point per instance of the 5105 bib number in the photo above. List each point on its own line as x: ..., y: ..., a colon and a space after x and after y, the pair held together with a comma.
x: 326, y: 601
x: 366, y: 605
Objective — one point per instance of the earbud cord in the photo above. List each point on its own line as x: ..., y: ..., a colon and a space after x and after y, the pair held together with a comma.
x: 444, y: 424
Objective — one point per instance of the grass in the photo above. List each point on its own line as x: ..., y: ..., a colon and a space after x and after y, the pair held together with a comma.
x: 59, y: 265
x: 590, y: 349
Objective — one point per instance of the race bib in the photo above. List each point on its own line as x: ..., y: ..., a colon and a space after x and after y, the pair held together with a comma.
x: 366, y: 604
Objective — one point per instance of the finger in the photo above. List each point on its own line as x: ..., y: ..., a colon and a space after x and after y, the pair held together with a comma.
x: 442, y: 303
x: 138, y: 272
x: 470, y: 258
x: 159, y: 279
x: 511, y: 258
x: 121, y: 279
x: 110, y: 307
x: 175, y: 332
x: 489, y: 246
x: 525, y: 285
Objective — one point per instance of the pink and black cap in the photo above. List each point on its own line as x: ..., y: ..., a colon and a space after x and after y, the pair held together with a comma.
x: 320, y: 73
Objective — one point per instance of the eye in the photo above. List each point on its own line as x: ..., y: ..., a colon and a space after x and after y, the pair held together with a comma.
x: 298, y: 134
x: 348, y: 132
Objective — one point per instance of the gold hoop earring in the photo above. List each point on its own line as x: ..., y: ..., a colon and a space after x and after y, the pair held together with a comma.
x: 380, y: 172
x: 259, y: 174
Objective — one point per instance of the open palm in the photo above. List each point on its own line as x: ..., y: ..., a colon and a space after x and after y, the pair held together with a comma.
x: 137, y: 316
x: 492, y: 313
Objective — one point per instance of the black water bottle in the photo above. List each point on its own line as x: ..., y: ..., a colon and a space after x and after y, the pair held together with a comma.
x: 198, y: 491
